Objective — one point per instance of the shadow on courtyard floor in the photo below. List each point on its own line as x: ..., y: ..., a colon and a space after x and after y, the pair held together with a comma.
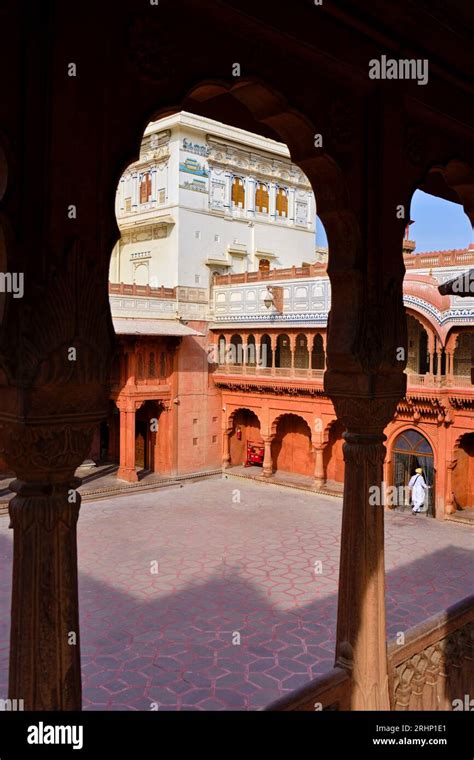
x: 181, y: 650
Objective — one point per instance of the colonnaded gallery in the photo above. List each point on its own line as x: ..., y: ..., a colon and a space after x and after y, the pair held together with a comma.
x: 220, y: 298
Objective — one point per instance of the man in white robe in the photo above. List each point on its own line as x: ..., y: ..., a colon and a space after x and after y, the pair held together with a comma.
x: 419, y: 490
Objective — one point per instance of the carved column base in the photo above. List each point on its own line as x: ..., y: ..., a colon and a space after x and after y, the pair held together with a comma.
x: 319, y: 476
x: 45, y: 667
x: 127, y: 473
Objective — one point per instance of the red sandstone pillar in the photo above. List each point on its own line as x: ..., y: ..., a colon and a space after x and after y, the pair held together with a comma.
x: 450, y: 507
x: 273, y: 343
x: 361, y: 631
x: 127, y: 469
x: 45, y: 665
x: 225, y: 449
x: 267, y: 470
x: 319, y: 475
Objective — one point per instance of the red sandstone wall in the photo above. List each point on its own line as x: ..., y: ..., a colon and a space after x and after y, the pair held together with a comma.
x: 199, y: 428
x: 291, y: 448
x: 463, y: 474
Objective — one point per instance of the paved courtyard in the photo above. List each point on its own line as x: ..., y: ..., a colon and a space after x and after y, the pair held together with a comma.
x: 205, y: 596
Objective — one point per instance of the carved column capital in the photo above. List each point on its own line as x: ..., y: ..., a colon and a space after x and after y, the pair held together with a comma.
x: 365, y: 417
x: 47, y: 453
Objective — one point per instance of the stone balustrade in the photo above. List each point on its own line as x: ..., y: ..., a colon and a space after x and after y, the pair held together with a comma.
x: 434, y: 669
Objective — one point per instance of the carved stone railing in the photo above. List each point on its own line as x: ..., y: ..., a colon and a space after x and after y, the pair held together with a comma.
x: 435, y: 666
x: 289, y: 273
x: 180, y: 293
x: 328, y: 692
x: 430, y: 259
x: 436, y: 381
x: 430, y: 671
x: 293, y: 372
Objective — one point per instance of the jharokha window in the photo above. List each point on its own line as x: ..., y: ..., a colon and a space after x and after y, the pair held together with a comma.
x: 140, y: 367
x: 162, y: 364
x: 151, y: 365
x: 238, y: 192
x: 282, y: 202
x: 261, y: 198
x: 145, y: 187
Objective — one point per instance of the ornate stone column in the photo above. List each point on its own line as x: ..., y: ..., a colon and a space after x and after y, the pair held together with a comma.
x: 365, y: 379
x: 431, y: 360
x: 431, y: 353
x: 361, y: 630
x: 56, y: 346
x: 267, y: 470
x: 319, y: 474
x: 45, y: 665
x: 273, y: 343
x: 258, y: 352
x: 225, y: 448
x: 450, y: 507
x: 292, y: 339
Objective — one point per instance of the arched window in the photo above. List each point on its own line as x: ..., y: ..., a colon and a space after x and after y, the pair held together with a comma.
x: 236, y: 352
x: 282, y: 202
x: 301, y: 352
x: 264, y: 265
x: 283, y: 352
x: 261, y: 198
x: 317, y: 354
x: 145, y: 187
x: 140, y: 366
x: 162, y: 364
x: 266, y: 355
x: 464, y: 354
x: 251, y: 351
x: 221, y: 350
x: 238, y: 192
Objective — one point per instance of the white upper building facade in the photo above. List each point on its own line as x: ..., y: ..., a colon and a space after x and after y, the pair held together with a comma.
x: 205, y: 197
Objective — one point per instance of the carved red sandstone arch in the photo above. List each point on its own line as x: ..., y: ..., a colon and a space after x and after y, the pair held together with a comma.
x: 230, y: 424
x: 301, y: 415
x: 425, y: 321
x: 399, y: 429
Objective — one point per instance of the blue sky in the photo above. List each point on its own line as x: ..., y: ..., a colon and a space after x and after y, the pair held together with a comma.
x: 438, y: 225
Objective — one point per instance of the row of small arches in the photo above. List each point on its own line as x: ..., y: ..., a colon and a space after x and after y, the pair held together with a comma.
x: 235, y: 351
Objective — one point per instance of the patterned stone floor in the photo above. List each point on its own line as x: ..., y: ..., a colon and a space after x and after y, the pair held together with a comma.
x: 236, y: 563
